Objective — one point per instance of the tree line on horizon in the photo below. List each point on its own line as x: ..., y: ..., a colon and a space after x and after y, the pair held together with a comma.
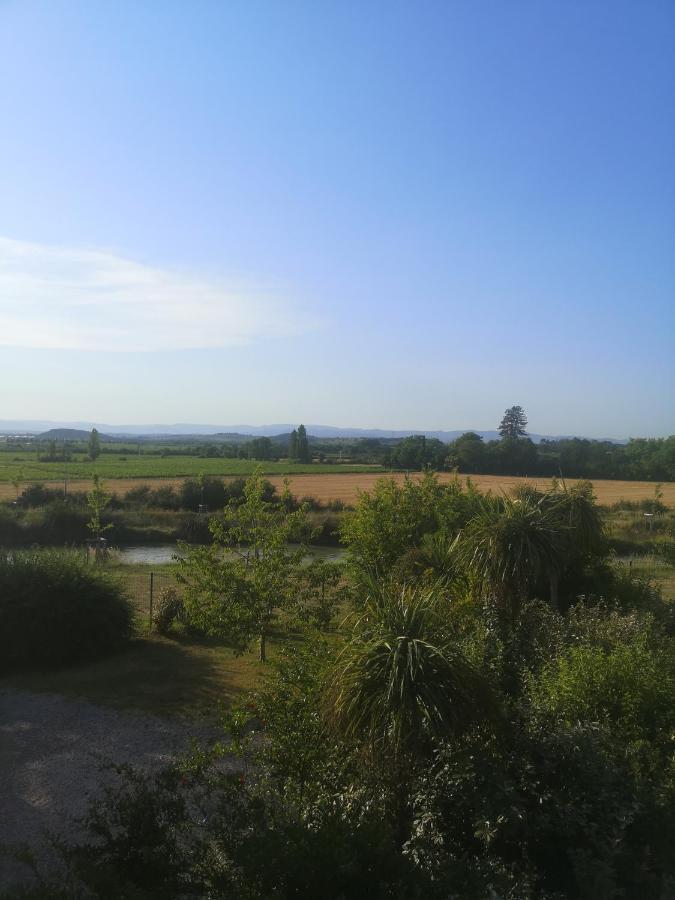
x: 649, y: 459
x: 514, y: 453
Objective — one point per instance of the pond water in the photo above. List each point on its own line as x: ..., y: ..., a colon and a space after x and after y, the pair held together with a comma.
x: 161, y: 554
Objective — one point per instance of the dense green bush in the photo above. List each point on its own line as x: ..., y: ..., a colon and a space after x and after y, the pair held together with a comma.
x: 192, y: 527
x: 558, y: 804
x: 163, y: 497
x: 542, y: 813
x: 215, y: 493
x: 58, y: 522
x: 38, y: 495
x: 605, y: 582
x: 56, y: 610
x: 186, y: 833
x: 211, y: 492
x: 617, y: 671
x: 11, y: 531
x: 169, y: 610
x: 138, y: 496
x: 391, y: 520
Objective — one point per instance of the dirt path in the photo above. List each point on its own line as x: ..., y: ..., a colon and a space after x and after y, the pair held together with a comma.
x: 51, y: 752
x: 345, y: 487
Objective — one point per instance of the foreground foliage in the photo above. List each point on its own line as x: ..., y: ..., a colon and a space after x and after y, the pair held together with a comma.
x: 575, y: 797
x: 401, y: 680
x: 57, y: 610
x: 469, y: 733
x: 235, y: 587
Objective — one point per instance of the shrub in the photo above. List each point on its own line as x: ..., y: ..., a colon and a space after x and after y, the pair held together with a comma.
x: 138, y: 495
x: 235, y: 489
x: 39, y: 495
x: 614, y: 585
x: 10, y: 526
x: 193, y: 527
x: 55, y: 610
x: 199, y: 832
x: 214, y: 493
x: 59, y: 522
x: 618, y: 671
x: 211, y: 492
x: 666, y: 550
x: 555, y: 813
x: 169, y: 610
x: 164, y: 497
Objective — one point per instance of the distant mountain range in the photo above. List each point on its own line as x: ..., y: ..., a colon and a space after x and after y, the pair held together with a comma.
x: 81, y: 430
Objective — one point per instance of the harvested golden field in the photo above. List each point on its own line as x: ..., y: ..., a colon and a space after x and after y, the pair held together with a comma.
x: 112, y: 485
x: 345, y: 487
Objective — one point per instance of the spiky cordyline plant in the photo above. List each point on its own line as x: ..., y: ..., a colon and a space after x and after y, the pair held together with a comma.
x: 511, y: 543
x: 576, y: 509
x: 574, y: 512
x: 400, y: 680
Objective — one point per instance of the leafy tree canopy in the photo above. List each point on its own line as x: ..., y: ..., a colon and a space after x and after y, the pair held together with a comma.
x: 234, y: 587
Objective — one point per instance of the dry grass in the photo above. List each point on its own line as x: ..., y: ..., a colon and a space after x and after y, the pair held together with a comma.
x: 345, y: 486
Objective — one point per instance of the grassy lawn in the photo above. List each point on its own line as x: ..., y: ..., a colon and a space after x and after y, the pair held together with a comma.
x: 155, y: 674
x: 654, y: 568
x: 159, y: 675
x: 637, y: 546
x: 137, y: 581
x: 188, y: 677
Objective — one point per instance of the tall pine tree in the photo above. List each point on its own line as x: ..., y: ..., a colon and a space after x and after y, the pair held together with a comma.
x: 513, y: 423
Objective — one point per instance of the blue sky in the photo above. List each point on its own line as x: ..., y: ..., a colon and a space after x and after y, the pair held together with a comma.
x: 356, y: 213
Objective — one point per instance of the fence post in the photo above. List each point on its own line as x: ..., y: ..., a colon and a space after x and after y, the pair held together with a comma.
x: 152, y: 583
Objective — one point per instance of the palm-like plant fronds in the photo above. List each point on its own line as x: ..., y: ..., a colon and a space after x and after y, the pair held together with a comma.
x: 400, y: 681
x: 511, y: 543
x: 435, y: 561
x: 576, y: 510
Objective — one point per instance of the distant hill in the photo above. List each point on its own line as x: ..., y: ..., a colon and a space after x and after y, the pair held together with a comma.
x: 234, y: 433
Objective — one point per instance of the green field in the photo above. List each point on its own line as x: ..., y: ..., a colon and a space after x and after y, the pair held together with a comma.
x: 26, y: 466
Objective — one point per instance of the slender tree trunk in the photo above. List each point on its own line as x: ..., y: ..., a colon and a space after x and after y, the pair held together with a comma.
x: 263, y: 647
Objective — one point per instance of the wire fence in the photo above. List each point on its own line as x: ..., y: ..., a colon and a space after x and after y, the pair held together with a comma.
x: 145, y: 589
x: 656, y: 569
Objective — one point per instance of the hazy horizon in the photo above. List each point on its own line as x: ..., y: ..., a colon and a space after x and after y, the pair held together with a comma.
x: 393, y: 216
x: 272, y: 428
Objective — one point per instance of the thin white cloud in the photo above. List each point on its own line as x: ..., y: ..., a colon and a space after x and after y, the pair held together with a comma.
x: 69, y: 298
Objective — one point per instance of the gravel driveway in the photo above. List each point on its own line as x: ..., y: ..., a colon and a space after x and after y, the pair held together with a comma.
x: 51, y: 751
